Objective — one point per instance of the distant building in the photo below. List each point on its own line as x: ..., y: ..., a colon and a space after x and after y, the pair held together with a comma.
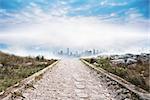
x: 61, y: 52
x: 67, y: 51
x: 88, y: 52
x: 97, y: 51
x: 94, y: 51
x: 70, y: 53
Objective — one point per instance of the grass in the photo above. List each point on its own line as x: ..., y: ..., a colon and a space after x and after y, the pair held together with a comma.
x: 137, y: 74
x: 14, y: 69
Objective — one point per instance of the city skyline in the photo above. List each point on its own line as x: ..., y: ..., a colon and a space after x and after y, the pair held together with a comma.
x: 77, y: 53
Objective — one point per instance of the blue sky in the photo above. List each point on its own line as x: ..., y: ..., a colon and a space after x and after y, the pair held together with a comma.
x: 83, y: 22
x: 80, y: 7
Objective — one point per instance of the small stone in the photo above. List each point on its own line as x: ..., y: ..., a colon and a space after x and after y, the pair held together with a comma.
x: 79, y: 86
x: 119, y: 91
x: 82, y: 95
x: 79, y: 79
x: 1, y: 93
x: 1, y: 65
x: 78, y: 90
x: 125, y: 91
x: 116, y: 87
x: 127, y: 99
x: 107, y: 79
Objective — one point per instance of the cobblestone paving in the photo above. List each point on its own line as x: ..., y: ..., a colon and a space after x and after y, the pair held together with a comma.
x: 68, y: 80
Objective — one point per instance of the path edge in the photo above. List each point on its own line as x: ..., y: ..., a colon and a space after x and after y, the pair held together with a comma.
x: 142, y: 95
x: 19, y: 87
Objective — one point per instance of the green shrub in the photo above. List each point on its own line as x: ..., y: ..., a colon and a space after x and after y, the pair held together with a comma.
x: 7, y: 82
x: 137, y: 80
x: 122, y: 72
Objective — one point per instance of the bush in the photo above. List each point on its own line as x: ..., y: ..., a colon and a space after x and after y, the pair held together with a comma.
x: 7, y: 82
x: 120, y: 71
x: 137, y: 80
x: 40, y: 58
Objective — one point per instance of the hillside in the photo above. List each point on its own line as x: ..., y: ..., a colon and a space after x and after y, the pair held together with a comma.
x: 15, y: 68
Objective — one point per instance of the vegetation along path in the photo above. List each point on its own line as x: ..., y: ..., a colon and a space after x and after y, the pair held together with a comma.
x: 68, y: 80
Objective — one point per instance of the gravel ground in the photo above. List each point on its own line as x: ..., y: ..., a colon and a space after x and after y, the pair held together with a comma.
x: 68, y: 80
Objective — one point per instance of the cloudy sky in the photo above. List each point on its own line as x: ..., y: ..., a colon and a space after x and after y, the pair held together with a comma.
x: 43, y: 26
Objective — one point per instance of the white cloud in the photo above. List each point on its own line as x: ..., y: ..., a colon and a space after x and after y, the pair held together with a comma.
x: 54, y: 29
x: 104, y: 2
x: 133, y: 13
x: 118, y: 4
x: 108, y: 3
x: 113, y: 14
x: 77, y: 32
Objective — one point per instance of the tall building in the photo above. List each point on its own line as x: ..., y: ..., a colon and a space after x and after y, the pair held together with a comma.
x: 94, y: 51
x: 67, y: 51
x: 61, y: 52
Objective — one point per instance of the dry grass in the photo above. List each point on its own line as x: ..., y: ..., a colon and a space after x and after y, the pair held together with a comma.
x: 17, y: 68
x: 37, y: 78
x: 137, y: 74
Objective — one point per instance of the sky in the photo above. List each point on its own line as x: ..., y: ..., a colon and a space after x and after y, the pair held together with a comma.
x: 30, y: 27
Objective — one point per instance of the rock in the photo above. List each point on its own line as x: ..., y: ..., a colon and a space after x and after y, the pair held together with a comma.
x: 108, y: 80
x: 42, y: 63
x: 28, y: 64
x: 82, y: 95
x: 128, y: 95
x: 127, y: 99
x: 125, y: 91
x: 80, y: 86
x: 78, y: 90
x: 130, y: 61
x: 111, y: 87
x: 109, y: 83
x: 114, y: 83
x: 1, y: 93
x: 121, y: 97
x: 1, y: 65
x: 116, y: 87
x: 118, y: 61
x: 79, y: 79
x: 96, y: 64
x: 119, y: 91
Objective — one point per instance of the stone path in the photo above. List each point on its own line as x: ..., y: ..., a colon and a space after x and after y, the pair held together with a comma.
x: 68, y: 80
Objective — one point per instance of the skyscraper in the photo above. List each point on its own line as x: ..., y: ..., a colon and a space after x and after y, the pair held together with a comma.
x: 94, y: 52
x: 67, y: 51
